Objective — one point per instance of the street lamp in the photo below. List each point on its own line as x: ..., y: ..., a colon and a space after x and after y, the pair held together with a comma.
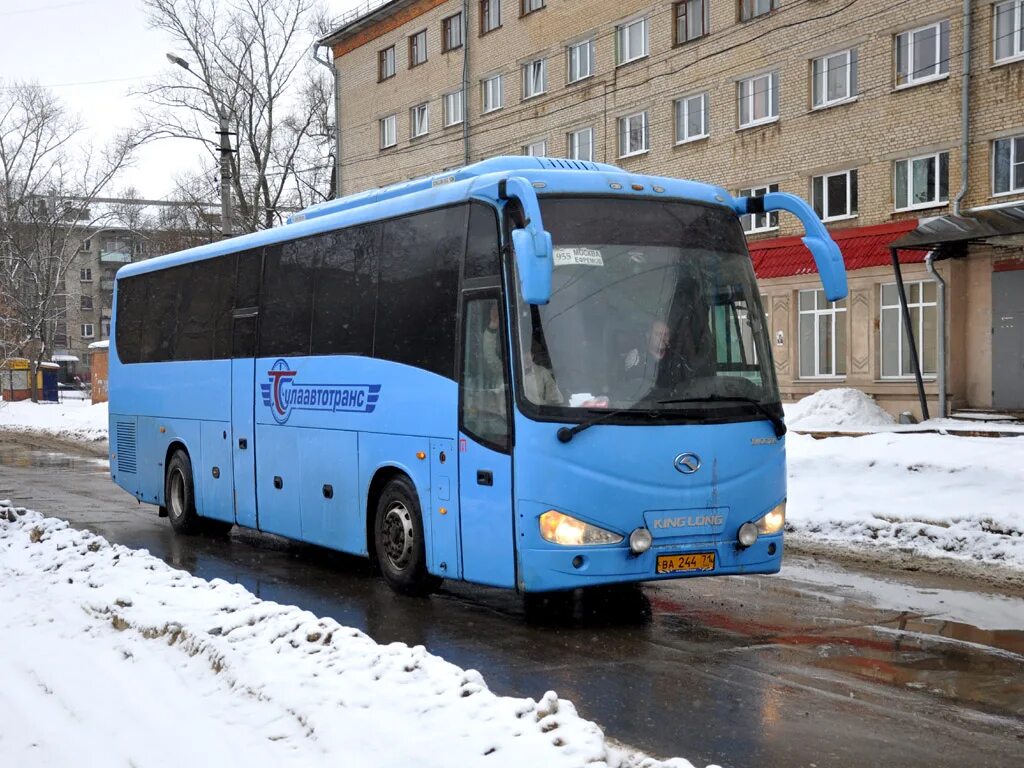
x: 225, y: 153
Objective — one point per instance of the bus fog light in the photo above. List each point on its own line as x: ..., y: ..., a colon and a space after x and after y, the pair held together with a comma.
x: 773, y: 521
x: 747, y: 535
x: 640, y: 541
x: 559, y: 528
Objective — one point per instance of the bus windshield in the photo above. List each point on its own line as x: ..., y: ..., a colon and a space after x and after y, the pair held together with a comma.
x: 654, y: 308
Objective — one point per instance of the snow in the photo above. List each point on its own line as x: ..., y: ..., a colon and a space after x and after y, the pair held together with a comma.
x: 832, y: 408
x: 105, y: 344
x: 115, y: 658
x: 930, y: 495
x: 74, y: 418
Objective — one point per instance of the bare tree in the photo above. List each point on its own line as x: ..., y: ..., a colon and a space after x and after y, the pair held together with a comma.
x: 247, y: 62
x: 47, y: 186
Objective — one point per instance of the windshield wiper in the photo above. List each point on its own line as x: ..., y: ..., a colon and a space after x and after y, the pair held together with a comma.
x: 565, y: 434
x: 774, y: 418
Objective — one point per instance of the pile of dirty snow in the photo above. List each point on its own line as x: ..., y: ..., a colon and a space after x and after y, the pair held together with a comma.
x: 74, y: 418
x: 112, y: 657
x: 831, y: 408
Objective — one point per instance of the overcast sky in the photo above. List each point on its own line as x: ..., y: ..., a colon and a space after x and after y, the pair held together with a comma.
x: 91, y: 53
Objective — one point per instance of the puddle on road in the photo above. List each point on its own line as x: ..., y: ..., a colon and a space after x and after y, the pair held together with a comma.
x: 19, y: 456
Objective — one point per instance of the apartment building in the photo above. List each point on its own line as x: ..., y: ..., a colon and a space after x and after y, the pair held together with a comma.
x: 855, y: 106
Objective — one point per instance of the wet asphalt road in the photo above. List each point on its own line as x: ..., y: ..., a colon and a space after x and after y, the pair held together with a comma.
x: 818, y: 666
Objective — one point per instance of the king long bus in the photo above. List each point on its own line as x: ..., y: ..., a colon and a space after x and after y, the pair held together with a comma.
x: 530, y: 373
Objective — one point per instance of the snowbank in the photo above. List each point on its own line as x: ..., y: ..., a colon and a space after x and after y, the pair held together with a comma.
x: 115, y: 658
x: 927, y: 495
x: 74, y: 418
x: 831, y: 408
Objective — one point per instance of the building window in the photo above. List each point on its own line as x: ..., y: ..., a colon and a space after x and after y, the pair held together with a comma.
x: 691, y: 20
x: 751, y: 9
x: 631, y: 41
x: 388, y: 131
x: 834, y: 78
x: 922, y: 54
x: 834, y: 195
x: 691, y: 118
x: 822, y: 339
x: 451, y: 33
x: 633, y: 134
x: 534, y: 78
x: 87, y: 331
x: 759, y: 99
x: 105, y: 328
x: 922, y: 182
x: 529, y: 6
x: 581, y: 144
x: 417, y: 48
x: 581, y: 60
x: 492, y: 93
x: 386, y: 64
x: 1008, y: 165
x: 490, y: 15
x: 1008, y: 19
x: 85, y: 302
x: 85, y: 274
x: 536, y: 148
x: 453, y: 108
x: 896, y: 362
x: 419, y: 120
x: 759, y: 222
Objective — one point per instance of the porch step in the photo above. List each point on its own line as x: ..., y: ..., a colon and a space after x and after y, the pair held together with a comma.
x: 988, y: 415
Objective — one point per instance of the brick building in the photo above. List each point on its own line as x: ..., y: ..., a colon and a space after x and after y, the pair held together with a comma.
x: 853, y: 105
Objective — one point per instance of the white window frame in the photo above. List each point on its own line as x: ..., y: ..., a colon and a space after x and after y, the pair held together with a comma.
x: 940, y: 65
x: 682, y: 108
x: 104, y: 327
x: 388, y: 130
x: 487, y: 93
x: 623, y: 53
x: 750, y: 220
x: 1016, y: 34
x: 851, y: 203
x: 626, y: 128
x: 537, y: 148
x: 748, y: 88
x: 913, y: 307
x: 836, y: 315
x: 1016, y: 159
x: 573, y: 144
x: 85, y: 274
x: 88, y: 331
x: 938, y: 200
x: 419, y: 120
x: 819, y: 83
x: 535, y: 78
x: 454, y: 108
x: 575, y: 72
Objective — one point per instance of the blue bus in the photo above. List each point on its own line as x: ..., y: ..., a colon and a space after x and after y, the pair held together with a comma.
x: 530, y: 373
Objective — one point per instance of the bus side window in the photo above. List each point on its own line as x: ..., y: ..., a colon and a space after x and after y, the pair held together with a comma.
x: 287, y: 302
x: 484, y: 401
x: 482, y: 248
x: 346, y: 290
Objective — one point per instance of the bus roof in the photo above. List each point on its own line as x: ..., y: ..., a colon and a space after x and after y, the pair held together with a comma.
x: 553, y: 176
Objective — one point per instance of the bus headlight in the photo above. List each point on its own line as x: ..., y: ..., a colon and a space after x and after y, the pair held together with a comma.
x: 562, y: 529
x: 773, y: 521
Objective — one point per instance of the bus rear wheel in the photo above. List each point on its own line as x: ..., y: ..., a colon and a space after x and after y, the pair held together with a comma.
x: 398, y: 540
x: 179, y: 495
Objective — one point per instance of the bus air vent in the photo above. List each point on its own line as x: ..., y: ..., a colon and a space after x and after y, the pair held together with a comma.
x: 125, y: 440
x: 567, y: 165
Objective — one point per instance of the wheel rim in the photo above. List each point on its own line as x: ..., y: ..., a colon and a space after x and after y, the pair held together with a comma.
x: 177, y: 495
x: 398, y: 535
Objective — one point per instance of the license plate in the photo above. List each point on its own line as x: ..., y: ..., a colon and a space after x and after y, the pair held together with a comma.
x: 699, y: 561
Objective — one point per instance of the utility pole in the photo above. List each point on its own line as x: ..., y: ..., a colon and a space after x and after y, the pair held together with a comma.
x: 225, y: 177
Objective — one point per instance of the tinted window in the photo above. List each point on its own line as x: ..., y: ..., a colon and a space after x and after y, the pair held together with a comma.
x: 247, y: 280
x: 419, y: 282
x: 484, y: 395
x: 482, y: 251
x: 346, y: 291
x: 161, y: 312
x: 131, y: 304
x: 287, y: 302
x: 204, y: 310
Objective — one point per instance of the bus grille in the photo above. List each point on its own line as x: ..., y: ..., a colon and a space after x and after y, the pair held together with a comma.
x: 574, y: 165
x: 125, y: 444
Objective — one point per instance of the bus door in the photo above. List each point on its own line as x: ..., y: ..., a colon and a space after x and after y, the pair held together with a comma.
x: 243, y: 433
x: 485, y: 460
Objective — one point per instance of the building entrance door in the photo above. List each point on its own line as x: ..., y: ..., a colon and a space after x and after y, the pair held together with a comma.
x: 1008, y: 340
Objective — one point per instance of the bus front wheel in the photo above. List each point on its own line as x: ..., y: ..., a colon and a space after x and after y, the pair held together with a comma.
x: 398, y: 540
x: 179, y: 494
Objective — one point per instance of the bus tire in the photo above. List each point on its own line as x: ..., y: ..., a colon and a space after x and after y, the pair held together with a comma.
x: 179, y: 495
x: 398, y: 540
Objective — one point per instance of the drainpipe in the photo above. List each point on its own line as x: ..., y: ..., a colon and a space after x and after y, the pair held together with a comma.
x: 965, y: 101
x: 336, y: 75
x: 929, y: 262
x: 465, y: 82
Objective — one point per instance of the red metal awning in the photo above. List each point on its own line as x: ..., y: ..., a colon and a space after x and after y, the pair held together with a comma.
x: 861, y: 247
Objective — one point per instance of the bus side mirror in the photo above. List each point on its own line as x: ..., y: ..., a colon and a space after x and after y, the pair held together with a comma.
x: 827, y: 256
x: 531, y: 243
